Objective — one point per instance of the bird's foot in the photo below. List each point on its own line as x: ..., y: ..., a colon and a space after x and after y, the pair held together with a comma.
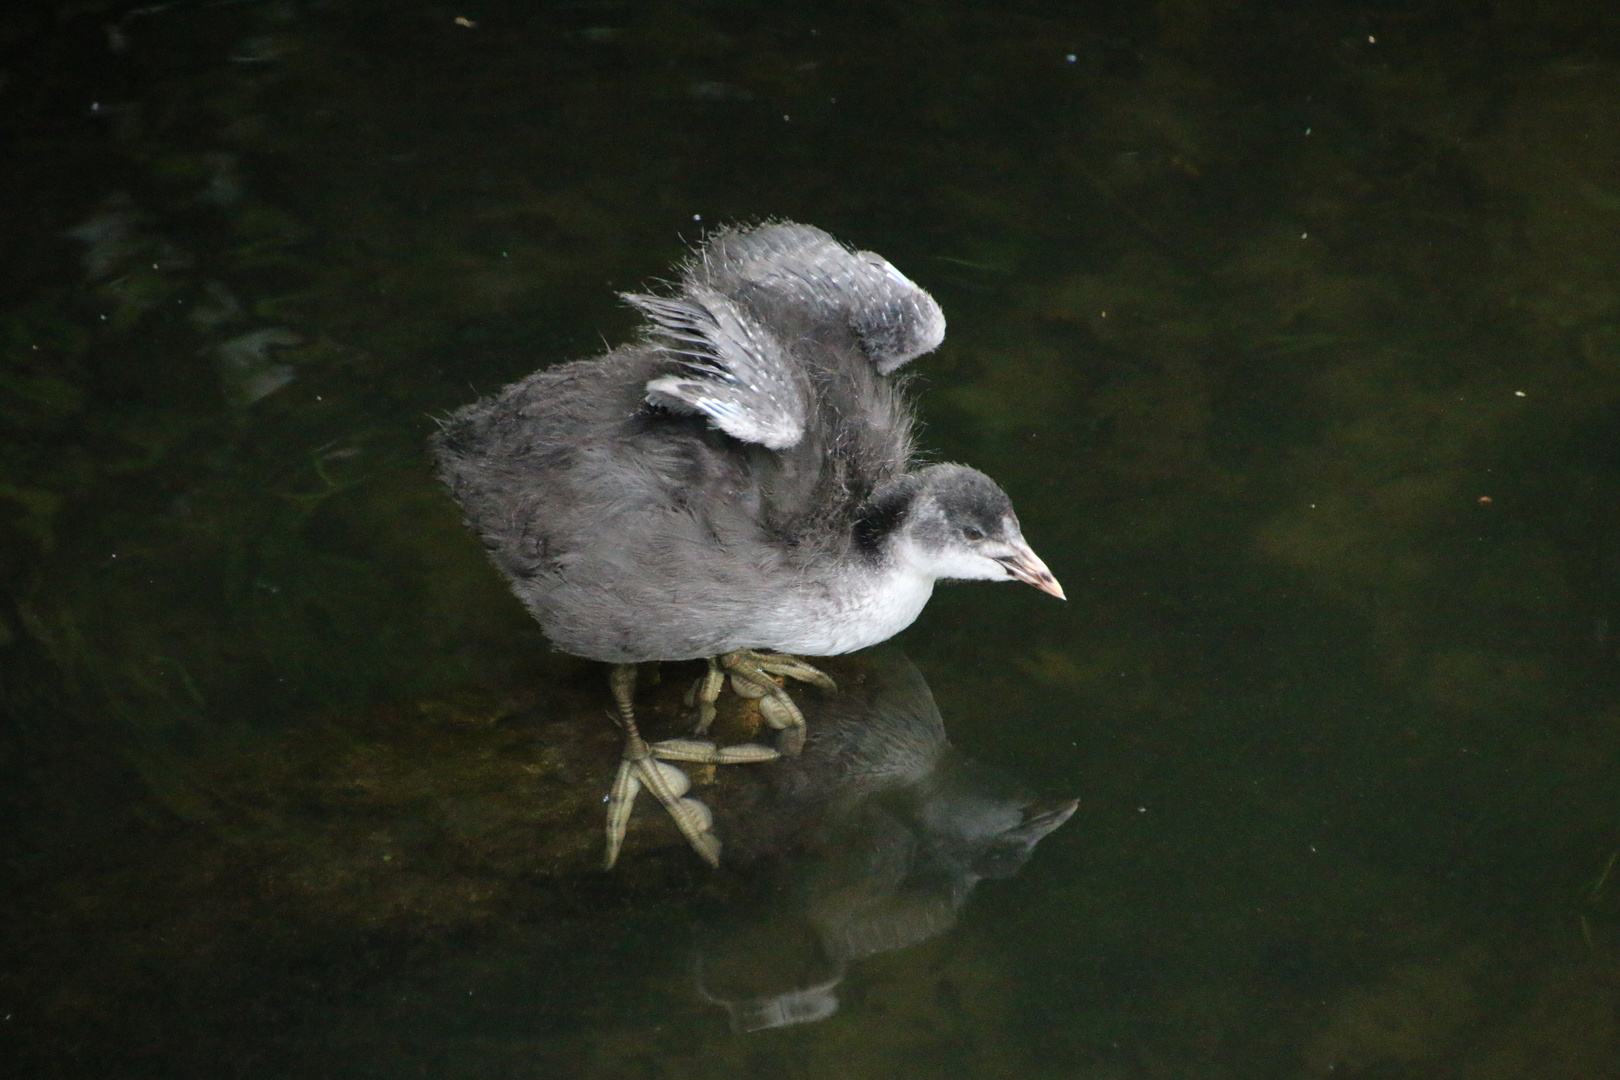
x: 751, y: 673
x: 647, y: 765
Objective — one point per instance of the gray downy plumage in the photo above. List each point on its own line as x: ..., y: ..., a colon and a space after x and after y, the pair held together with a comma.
x: 742, y: 476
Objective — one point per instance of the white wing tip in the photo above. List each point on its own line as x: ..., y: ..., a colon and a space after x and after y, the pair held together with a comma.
x: 690, y: 395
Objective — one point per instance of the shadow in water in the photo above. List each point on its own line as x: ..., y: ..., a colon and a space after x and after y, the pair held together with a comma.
x: 870, y: 841
x: 419, y: 886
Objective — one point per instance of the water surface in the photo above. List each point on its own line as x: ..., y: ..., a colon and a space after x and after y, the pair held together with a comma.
x: 1292, y: 329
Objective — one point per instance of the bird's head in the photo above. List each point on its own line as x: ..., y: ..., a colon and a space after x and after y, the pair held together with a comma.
x: 959, y: 524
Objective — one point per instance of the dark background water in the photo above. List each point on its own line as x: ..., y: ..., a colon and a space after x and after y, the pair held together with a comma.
x: 1293, y: 329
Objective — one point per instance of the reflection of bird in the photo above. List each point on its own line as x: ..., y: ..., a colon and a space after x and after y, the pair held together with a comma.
x: 741, y: 478
x: 873, y: 839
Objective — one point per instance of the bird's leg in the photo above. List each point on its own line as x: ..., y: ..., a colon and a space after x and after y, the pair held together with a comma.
x: 751, y: 677
x: 647, y: 766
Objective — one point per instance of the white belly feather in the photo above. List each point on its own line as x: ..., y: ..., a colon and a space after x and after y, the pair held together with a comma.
x: 863, y: 612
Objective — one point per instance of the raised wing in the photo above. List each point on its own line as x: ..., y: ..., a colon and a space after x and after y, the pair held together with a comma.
x: 786, y: 267
x: 750, y: 297
x: 733, y: 371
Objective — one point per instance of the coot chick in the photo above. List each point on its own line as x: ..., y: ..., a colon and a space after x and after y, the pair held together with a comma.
x: 740, y: 478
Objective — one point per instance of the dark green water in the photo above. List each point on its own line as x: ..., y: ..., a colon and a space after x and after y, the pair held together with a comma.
x: 1293, y: 330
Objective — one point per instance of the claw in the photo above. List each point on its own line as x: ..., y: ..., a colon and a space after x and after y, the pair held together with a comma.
x: 621, y: 799
x: 649, y: 767
x: 780, y: 712
x: 707, y: 845
x: 748, y: 684
x: 791, y: 667
x: 693, y: 818
x: 704, y: 693
x: 668, y: 784
x: 706, y: 753
x: 751, y: 673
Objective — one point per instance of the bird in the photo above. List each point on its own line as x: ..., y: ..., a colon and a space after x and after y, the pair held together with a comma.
x: 739, y: 484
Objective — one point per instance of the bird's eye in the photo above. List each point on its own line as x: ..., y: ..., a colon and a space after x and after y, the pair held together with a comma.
x: 972, y: 534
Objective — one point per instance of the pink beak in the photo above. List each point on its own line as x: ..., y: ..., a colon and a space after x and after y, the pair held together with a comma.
x: 1027, y: 567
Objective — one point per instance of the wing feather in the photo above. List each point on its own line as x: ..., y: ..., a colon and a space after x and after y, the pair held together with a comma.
x: 732, y: 370
x: 802, y: 268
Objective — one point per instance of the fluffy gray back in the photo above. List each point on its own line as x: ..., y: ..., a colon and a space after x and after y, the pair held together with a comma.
x: 649, y: 503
